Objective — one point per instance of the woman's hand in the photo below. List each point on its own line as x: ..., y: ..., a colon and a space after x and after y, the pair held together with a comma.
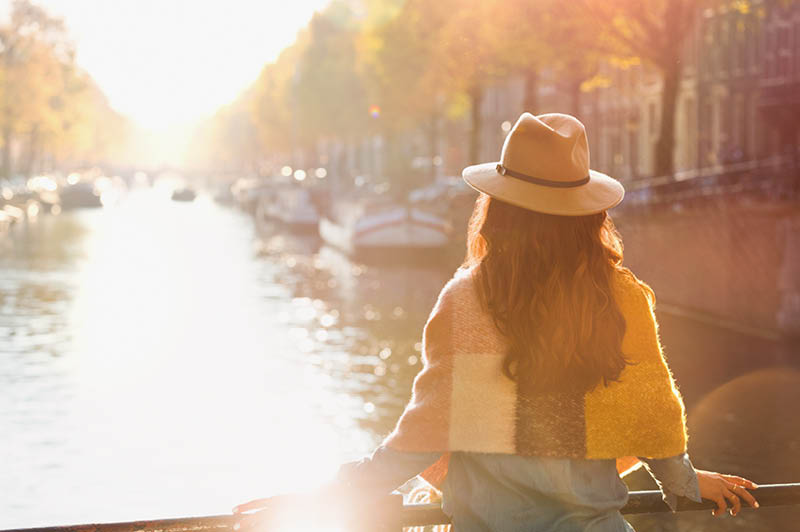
x: 721, y: 488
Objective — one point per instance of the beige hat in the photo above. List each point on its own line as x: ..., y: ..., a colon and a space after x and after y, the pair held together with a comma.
x: 544, y: 167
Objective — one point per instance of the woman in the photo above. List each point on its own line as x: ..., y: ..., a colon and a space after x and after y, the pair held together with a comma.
x: 543, y: 370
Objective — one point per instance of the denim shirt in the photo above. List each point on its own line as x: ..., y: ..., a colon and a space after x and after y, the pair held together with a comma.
x: 484, y: 492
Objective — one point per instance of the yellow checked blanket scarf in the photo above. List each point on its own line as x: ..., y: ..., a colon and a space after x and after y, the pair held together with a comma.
x: 462, y: 401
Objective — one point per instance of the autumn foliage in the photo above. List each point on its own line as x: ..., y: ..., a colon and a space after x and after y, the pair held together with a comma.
x: 51, y: 112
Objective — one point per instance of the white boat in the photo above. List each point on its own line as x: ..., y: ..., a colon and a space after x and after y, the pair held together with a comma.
x: 5, y: 221
x: 247, y: 191
x: 290, y: 205
x: 361, y: 227
x: 13, y: 213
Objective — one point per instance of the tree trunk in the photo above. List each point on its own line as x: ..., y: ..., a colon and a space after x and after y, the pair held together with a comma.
x: 33, y: 148
x: 665, y: 145
x: 531, y: 103
x: 6, y: 152
x: 433, y: 143
x: 394, y: 167
x: 475, y: 98
x: 575, y: 98
x: 670, y: 62
x: 572, y: 87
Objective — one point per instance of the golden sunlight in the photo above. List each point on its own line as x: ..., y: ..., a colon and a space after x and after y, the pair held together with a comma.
x: 239, y: 240
x: 170, y: 63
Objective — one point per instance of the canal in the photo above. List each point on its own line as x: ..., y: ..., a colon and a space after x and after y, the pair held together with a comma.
x: 164, y: 359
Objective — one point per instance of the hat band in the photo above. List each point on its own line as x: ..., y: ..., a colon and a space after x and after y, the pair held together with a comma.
x: 502, y: 170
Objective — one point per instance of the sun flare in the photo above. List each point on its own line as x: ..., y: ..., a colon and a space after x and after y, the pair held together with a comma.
x: 166, y: 63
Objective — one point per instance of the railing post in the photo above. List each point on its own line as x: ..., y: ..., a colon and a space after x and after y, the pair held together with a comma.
x: 384, y: 514
x: 397, y: 507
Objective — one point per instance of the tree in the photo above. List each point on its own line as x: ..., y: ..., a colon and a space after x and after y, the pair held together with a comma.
x: 271, y: 104
x: 526, y: 29
x: 654, y: 31
x: 27, y: 45
x: 470, y: 52
x: 49, y: 106
x: 397, y: 62
x: 328, y: 95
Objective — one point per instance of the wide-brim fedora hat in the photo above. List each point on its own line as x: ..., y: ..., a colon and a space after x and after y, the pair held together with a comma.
x: 544, y: 167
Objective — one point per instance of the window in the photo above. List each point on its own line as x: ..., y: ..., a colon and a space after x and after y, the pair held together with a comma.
x: 740, y: 50
x: 651, y: 118
x: 769, y: 53
x: 754, y: 47
x: 724, y: 123
x: 690, y: 55
x: 754, y: 150
x: 633, y: 150
x: 739, y: 124
x: 708, y: 49
x: 616, y: 152
x: 797, y: 49
x: 724, y: 47
x: 784, y: 54
x: 707, y: 139
x: 690, y: 137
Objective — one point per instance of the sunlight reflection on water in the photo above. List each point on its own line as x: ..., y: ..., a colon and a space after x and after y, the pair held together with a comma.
x: 156, y: 363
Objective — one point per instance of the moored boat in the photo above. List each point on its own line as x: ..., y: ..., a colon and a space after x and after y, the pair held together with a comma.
x: 5, y: 222
x: 290, y: 205
x: 360, y: 228
x: 13, y: 213
x: 183, y: 194
x: 247, y: 191
x: 79, y: 195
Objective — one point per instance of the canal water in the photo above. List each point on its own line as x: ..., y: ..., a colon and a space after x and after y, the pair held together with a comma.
x: 162, y: 359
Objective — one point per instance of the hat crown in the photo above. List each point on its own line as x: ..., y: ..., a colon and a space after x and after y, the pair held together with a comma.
x: 551, y: 146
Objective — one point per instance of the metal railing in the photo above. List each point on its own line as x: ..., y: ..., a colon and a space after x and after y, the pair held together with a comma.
x: 773, y: 178
x: 391, y: 514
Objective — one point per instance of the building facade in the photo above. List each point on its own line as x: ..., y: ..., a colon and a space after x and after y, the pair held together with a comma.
x: 738, y: 101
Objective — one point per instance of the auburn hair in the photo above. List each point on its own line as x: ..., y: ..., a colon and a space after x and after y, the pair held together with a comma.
x: 546, y: 281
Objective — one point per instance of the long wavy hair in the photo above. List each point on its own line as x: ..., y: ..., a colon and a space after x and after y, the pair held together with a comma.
x: 546, y: 282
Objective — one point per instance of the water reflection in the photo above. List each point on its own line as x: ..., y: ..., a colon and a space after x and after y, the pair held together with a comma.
x: 360, y: 325
x: 163, y: 359
x: 174, y: 357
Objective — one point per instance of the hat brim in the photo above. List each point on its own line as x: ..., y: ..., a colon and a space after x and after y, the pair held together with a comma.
x: 599, y: 194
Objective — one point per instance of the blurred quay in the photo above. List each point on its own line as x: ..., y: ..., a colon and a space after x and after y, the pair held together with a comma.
x: 232, y: 306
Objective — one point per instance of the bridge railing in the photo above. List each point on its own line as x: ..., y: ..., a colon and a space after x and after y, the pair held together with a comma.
x: 391, y: 514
